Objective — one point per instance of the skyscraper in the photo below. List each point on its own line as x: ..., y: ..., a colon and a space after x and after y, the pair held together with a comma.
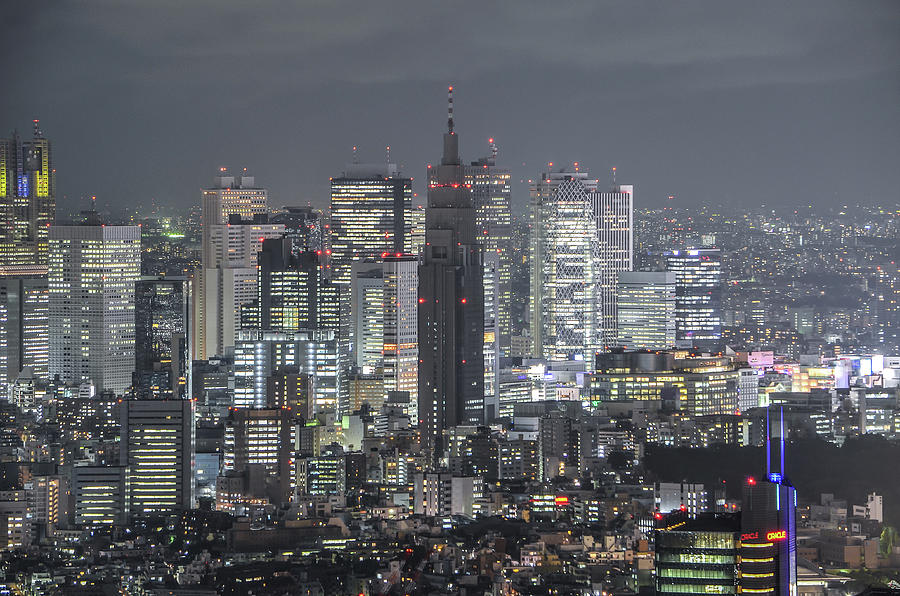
x: 234, y: 227
x: 24, y: 334
x: 27, y: 203
x: 768, y: 527
x: 564, y: 273
x: 162, y: 337
x: 158, y: 450
x: 698, y: 297
x: 451, y: 304
x: 614, y: 210
x: 645, y: 310
x: 491, y: 192
x: 92, y: 272
x: 292, y: 292
x: 373, y: 211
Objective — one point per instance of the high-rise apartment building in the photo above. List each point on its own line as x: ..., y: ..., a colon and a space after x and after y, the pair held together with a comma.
x: 92, y: 275
x: 24, y: 334
x: 27, y: 203
x: 451, y: 304
x: 235, y: 225
x: 162, y: 337
x: 645, y: 305
x: 698, y: 297
x: 373, y: 211
x: 157, y: 447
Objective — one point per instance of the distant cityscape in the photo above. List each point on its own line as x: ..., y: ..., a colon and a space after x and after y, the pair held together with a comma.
x: 428, y: 388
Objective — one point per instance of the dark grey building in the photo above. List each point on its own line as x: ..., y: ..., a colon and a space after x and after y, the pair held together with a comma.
x: 451, y: 304
x: 162, y: 338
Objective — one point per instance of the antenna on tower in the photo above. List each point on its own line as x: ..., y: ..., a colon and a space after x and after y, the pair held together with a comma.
x: 768, y: 446
x: 614, y: 175
x: 782, y: 442
x: 355, y: 155
x: 387, y: 152
x: 493, y: 146
x: 37, y: 129
x: 450, y: 109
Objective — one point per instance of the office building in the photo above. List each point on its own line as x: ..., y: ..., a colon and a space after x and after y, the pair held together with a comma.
x: 614, y: 212
x: 451, y: 305
x: 367, y: 312
x: 162, y: 338
x: 401, y: 328
x: 27, y: 203
x: 92, y: 275
x: 100, y: 495
x: 698, y: 386
x: 698, y: 297
x: 373, y: 211
x: 697, y: 556
x: 157, y: 447
x: 24, y: 331
x: 303, y: 227
x: 235, y: 224
x: 259, y: 355
x: 491, y: 193
x: 443, y: 495
x: 769, y: 525
x: 581, y: 240
x: 688, y: 497
x: 292, y: 292
x: 645, y: 303
x: 261, y: 437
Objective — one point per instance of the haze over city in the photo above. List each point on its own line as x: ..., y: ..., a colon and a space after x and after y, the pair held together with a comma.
x: 713, y: 102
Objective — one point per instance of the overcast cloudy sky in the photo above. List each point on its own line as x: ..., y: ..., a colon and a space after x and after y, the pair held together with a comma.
x: 714, y: 102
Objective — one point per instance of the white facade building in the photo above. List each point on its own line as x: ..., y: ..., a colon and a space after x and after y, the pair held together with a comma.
x: 91, y: 277
x: 645, y: 317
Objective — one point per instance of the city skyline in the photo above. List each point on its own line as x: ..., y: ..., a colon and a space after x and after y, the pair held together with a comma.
x: 709, y: 104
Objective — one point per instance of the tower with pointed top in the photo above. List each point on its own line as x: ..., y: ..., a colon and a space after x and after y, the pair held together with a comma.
x: 451, y: 304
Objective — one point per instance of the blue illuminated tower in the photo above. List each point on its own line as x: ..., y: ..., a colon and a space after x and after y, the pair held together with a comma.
x: 768, y: 529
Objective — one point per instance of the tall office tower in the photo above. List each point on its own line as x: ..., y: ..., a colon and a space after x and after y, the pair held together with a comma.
x: 27, y: 203
x: 645, y: 302
x: 564, y: 266
x: 384, y: 307
x: 92, y: 272
x: 373, y: 211
x: 259, y: 355
x: 162, y: 339
x: 491, y: 192
x: 614, y: 210
x: 157, y: 447
x: 768, y: 526
x: 698, y: 297
x: 491, y: 346
x: 292, y: 292
x: 24, y: 334
x: 367, y: 310
x: 234, y: 227
x: 401, y: 328
x: 451, y: 305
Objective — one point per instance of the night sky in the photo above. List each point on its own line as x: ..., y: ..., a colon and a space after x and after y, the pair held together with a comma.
x: 713, y: 102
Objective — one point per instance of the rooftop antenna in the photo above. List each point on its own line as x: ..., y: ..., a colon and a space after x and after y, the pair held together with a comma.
x: 782, y: 442
x: 37, y: 129
x: 355, y: 155
x: 768, y: 446
x: 493, y: 146
x: 387, y: 151
x: 614, y: 175
x: 450, y: 109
